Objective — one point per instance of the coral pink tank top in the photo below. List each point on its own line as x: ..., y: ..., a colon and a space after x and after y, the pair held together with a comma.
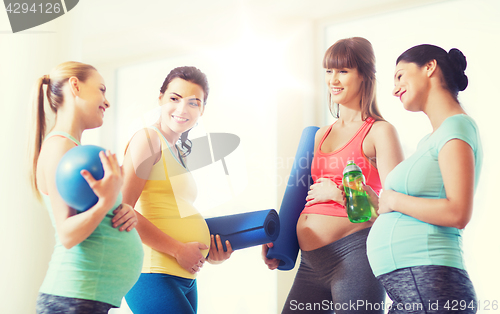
x: 331, y: 165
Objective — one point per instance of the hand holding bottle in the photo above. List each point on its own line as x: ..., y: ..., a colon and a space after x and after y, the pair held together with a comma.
x: 358, y: 207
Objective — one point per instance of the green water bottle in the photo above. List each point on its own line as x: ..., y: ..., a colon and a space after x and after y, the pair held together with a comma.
x: 357, y: 204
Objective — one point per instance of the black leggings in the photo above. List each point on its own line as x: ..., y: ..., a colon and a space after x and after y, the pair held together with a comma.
x: 54, y: 304
x: 337, y: 279
x: 430, y: 289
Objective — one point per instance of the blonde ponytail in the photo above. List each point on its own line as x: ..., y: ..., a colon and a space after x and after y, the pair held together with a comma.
x: 38, y: 130
x: 55, y: 82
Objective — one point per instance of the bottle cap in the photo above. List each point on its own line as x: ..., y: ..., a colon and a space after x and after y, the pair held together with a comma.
x: 351, y: 166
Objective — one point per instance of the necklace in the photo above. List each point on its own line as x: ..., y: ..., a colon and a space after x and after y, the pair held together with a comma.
x: 177, y: 154
x: 171, y: 147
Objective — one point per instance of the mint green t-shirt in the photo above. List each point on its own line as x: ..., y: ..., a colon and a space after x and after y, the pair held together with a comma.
x: 397, y: 240
x: 102, y: 268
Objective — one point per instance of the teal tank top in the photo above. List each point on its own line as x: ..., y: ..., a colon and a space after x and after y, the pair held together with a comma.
x: 102, y: 268
x: 398, y: 241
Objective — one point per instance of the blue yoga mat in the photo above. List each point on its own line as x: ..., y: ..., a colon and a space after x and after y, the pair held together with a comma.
x: 286, y: 247
x: 246, y: 229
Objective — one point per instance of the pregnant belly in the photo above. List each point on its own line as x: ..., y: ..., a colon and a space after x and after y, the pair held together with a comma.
x: 189, y: 229
x: 123, y: 252
x: 315, y: 231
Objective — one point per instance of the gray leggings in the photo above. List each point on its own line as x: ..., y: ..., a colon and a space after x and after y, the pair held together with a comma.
x: 54, y: 304
x: 430, y: 289
x: 336, y: 278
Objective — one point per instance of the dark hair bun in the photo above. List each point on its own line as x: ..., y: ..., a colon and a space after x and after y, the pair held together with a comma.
x: 459, y: 64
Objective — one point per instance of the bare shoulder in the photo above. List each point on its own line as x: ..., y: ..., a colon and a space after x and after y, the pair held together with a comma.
x: 145, y: 139
x: 145, y: 135
x: 386, y: 140
x: 383, y: 128
x: 54, y: 148
x: 320, y: 133
x: 52, y: 151
x: 384, y: 137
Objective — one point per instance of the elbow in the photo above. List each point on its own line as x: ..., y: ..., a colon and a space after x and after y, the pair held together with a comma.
x: 461, y: 223
x: 67, y: 242
x: 461, y: 218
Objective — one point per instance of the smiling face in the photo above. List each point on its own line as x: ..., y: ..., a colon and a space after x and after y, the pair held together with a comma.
x: 92, y: 100
x: 344, y: 86
x: 182, y: 105
x: 411, y: 85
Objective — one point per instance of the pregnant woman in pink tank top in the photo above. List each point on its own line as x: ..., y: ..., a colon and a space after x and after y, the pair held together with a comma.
x: 334, y: 272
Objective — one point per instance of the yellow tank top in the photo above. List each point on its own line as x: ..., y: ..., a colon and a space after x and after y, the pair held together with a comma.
x: 167, y: 201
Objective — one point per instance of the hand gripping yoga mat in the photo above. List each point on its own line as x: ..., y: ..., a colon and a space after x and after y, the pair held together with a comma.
x: 246, y: 229
x: 286, y: 247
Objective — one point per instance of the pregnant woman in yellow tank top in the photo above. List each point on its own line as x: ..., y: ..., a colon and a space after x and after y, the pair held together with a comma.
x: 175, y: 236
